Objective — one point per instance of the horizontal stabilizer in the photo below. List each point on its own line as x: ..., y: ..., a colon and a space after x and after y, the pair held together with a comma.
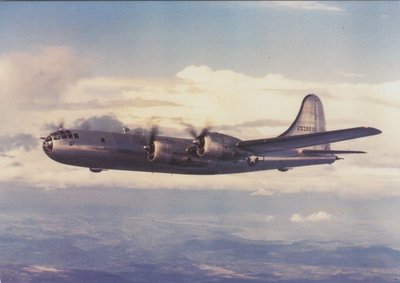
x: 282, y: 143
x: 314, y: 152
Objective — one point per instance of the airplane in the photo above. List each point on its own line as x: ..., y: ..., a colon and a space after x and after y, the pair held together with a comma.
x: 304, y: 143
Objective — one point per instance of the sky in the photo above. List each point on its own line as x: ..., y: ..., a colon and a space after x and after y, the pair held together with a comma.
x: 241, y: 67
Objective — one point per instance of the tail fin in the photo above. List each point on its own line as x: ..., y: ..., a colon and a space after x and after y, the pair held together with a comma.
x: 310, y: 119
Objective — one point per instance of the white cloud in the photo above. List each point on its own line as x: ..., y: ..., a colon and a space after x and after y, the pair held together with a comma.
x: 313, y: 217
x: 268, y: 218
x: 349, y: 74
x: 38, y: 77
x: 262, y: 192
x: 24, y: 141
x: 223, y: 272
x: 42, y: 269
x: 309, y: 5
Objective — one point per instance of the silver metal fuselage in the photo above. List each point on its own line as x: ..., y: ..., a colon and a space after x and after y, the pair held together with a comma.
x: 100, y: 150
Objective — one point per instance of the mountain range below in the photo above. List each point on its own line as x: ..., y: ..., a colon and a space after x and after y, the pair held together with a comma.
x: 121, y: 235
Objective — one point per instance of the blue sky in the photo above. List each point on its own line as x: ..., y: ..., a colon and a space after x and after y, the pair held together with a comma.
x: 161, y: 38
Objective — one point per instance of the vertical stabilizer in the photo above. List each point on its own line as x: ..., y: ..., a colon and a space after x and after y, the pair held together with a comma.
x: 310, y: 119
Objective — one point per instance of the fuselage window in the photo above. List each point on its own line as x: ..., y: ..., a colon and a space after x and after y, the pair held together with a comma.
x: 102, y: 140
x: 70, y: 136
x: 76, y: 136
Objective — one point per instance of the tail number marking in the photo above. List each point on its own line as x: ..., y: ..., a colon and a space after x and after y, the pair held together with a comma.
x: 306, y: 129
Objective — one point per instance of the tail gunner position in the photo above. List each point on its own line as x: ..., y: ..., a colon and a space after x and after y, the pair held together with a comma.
x: 306, y: 142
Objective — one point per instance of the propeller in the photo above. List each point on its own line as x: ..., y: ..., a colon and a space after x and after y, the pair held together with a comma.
x: 199, y: 139
x: 53, y: 126
x: 150, y: 147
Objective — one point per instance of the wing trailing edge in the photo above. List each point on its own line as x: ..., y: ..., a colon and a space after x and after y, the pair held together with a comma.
x: 282, y: 143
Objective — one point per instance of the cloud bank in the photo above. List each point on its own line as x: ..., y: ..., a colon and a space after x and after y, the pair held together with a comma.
x: 25, y: 142
x: 60, y: 89
x: 309, y: 6
x: 262, y: 192
x: 313, y: 217
x: 40, y: 77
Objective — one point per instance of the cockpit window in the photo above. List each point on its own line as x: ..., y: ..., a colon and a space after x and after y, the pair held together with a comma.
x: 63, y: 134
x: 68, y: 132
x: 55, y: 136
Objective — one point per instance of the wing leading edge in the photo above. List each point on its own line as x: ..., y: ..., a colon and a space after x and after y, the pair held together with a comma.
x: 282, y: 143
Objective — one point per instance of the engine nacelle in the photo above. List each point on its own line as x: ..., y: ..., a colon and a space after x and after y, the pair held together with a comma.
x: 167, y: 151
x: 218, y: 146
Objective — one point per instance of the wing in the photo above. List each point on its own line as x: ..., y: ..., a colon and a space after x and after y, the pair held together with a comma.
x: 299, y: 141
x: 317, y: 152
